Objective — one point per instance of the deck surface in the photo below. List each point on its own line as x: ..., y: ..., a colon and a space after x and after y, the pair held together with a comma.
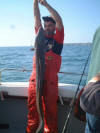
x: 14, y: 113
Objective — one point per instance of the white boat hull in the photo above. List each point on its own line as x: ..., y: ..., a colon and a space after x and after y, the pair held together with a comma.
x: 21, y: 89
x: 13, y: 109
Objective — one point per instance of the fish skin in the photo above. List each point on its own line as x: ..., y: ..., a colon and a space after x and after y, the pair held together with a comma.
x: 40, y: 70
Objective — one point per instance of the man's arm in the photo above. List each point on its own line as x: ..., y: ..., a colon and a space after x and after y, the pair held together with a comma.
x: 37, y: 18
x: 53, y: 13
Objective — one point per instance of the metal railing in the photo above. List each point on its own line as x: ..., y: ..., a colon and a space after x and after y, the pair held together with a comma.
x: 25, y: 70
x: 11, y: 69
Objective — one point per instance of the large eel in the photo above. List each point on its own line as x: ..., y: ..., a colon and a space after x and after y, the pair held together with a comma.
x: 40, y: 69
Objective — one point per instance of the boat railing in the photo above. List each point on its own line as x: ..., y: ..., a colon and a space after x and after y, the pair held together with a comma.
x: 12, y: 69
x: 26, y: 70
x: 73, y: 73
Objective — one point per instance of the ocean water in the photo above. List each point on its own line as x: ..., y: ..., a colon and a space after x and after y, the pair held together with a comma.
x: 74, y: 57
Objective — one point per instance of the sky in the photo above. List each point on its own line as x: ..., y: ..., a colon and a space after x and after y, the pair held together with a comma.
x: 81, y: 18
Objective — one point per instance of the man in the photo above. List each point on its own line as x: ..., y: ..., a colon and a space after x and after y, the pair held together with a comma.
x: 90, y: 103
x: 90, y: 98
x: 54, y: 36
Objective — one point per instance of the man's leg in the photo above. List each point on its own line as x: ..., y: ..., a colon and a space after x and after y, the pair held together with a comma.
x: 33, y: 118
x: 92, y: 124
x: 50, y: 108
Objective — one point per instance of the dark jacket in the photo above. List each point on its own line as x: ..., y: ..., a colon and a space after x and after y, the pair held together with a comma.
x: 90, y: 98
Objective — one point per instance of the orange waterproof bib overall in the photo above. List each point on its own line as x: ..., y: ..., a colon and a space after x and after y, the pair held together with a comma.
x: 50, y: 95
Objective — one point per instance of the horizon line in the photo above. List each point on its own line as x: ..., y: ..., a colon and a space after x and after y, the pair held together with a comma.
x: 79, y: 43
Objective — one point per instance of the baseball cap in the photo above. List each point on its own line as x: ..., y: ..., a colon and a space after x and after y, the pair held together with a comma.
x: 48, y: 18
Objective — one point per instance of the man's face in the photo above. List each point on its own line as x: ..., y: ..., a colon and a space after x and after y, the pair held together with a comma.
x: 49, y: 28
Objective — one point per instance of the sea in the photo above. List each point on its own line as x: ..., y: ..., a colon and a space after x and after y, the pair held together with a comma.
x: 16, y: 63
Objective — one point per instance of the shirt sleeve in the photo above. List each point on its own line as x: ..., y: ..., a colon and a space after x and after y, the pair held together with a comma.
x: 59, y: 36
x: 90, y: 98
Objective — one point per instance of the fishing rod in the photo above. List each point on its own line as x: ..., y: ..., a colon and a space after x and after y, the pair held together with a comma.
x: 73, y: 101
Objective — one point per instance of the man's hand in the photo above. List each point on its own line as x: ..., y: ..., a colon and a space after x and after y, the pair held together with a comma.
x: 42, y: 2
x: 53, y: 13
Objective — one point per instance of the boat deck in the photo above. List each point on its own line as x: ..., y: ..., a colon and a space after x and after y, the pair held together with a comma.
x: 14, y: 112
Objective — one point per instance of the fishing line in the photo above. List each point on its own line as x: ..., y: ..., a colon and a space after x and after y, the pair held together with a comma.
x: 72, y: 105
